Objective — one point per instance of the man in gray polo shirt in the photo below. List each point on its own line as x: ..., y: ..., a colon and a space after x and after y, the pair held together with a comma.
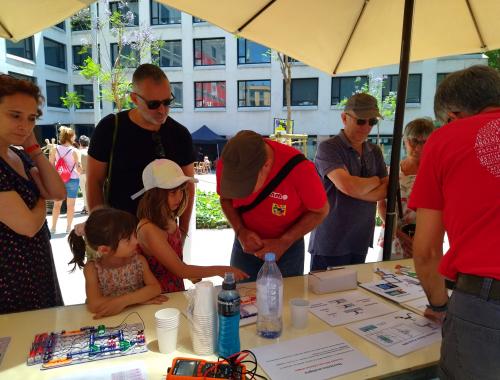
x: 355, y: 178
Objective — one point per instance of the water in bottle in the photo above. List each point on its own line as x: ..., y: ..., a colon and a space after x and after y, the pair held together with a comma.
x: 228, y: 308
x: 269, y: 299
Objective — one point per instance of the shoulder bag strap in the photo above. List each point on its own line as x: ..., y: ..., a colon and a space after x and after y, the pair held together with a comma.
x: 110, y: 164
x: 285, y: 170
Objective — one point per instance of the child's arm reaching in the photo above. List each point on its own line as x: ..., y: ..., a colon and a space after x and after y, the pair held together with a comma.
x: 105, y: 306
x: 152, y: 241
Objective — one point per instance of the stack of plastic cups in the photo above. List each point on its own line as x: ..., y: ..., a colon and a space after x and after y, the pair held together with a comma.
x: 167, y: 327
x: 204, y: 319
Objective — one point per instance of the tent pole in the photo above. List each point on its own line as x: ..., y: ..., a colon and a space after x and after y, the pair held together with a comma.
x: 392, y: 189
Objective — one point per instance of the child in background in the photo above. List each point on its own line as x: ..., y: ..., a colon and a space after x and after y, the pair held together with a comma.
x: 165, y: 198
x: 119, y: 276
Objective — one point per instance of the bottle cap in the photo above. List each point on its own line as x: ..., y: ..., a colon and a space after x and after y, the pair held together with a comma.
x: 270, y: 256
x: 229, y: 282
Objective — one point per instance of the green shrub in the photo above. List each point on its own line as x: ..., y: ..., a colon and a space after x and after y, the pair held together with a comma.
x: 208, y: 211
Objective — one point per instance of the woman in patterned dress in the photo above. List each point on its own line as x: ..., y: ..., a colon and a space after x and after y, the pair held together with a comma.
x: 416, y: 134
x: 28, y: 278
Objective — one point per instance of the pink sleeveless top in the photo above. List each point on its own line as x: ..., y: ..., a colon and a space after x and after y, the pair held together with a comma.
x: 169, y: 282
x: 126, y: 279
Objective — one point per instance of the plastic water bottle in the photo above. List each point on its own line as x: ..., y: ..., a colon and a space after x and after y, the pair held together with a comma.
x: 228, y: 308
x: 269, y: 299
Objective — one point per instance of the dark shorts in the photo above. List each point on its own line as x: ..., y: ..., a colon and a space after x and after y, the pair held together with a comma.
x: 290, y: 264
x: 320, y: 262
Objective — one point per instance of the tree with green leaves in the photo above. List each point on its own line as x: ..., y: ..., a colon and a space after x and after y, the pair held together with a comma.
x: 131, y: 45
x: 494, y: 58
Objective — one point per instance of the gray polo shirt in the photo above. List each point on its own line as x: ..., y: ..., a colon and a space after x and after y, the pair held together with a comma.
x: 349, y: 226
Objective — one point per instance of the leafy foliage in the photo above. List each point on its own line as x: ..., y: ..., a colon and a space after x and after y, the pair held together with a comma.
x: 494, y: 59
x: 208, y: 211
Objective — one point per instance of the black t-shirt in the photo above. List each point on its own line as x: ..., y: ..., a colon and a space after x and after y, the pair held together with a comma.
x: 134, y: 149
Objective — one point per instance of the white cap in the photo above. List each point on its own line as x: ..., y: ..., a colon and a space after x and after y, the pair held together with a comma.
x: 164, y: 174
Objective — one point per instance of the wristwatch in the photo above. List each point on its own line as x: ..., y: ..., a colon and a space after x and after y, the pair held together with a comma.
x: 438, y: 309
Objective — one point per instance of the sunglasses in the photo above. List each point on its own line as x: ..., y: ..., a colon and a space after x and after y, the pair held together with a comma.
x: 154, y: 104
x: 158, y: 145
x: 414, y: 141
x: 371, y: 122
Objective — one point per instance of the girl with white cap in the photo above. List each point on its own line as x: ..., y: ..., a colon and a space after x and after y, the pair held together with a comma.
x: 164, y: 200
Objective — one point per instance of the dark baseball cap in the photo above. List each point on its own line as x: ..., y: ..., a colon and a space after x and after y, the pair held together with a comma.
x: 242, y: 158
x: 364, y: 106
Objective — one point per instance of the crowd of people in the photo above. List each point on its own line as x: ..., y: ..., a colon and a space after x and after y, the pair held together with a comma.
x: 137, y: 177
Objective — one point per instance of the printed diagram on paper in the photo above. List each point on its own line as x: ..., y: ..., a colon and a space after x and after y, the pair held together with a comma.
x: 348, y: 307
x: 399, y: 333
x: 400, y: 287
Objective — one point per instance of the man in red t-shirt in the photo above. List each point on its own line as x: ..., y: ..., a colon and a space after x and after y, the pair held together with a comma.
x: 279, y: 222
x: 457, y: 190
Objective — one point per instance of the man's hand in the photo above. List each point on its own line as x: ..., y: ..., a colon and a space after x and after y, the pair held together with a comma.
x: 406, y: 243
x: 435, y: 316
x: 277, y: 246
x: 250, y: 241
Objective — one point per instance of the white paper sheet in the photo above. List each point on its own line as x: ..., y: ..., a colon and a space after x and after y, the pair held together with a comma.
x: 418, y: 306
x: 348, y: 307
x: 319, y: 356
x: 398, y: 288
x: 129, y: 371
x: 399, y: 333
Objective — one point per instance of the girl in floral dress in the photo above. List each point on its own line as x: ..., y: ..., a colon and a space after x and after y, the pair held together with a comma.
x: 118, y: 277
x: 165, y: 199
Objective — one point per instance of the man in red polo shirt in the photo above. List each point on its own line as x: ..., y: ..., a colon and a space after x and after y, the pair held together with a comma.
x: 457, y: 190
x: 279, y: 222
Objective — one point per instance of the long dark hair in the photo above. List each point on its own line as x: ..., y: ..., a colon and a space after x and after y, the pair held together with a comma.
x: 105, y: 226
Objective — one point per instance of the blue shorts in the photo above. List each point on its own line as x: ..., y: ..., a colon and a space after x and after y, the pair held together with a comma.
x: 72, y: 187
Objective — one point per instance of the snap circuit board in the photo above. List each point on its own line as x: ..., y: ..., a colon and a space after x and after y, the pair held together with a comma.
x: 57, y: 349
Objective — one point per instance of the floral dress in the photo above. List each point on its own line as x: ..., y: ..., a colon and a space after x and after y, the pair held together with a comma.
x: 28, y: 278
x: 114, y: 282
x: 406, y: 183
x: 169, y: 281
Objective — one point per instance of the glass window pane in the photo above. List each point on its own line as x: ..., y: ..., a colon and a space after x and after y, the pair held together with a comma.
x: 80, y: 54
x: 23, y: 48
x: 413, y: 92
x: 170, y: 54
x: 209, y: 52
x: 22, y: 76
x: 345, y: 87
x: 129, y: 57
x: 129, y: 12
x: 254, y: 93
x: 87, y: 95
x: 210, y: 94
x: 176, y: 88
x: 251, y: 52
x: 304, y: 92
x: 55, y: 91
x: 55, y: 53
x: 163, y: 15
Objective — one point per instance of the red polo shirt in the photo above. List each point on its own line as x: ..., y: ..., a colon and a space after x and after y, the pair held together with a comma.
x: 300, y: 191
x: 460, y: 175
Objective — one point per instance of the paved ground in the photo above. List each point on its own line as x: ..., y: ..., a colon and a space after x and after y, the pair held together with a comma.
x: 204, y: 247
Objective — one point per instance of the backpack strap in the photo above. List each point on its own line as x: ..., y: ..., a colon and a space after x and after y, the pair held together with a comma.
x: 284, y: 171
x: 64, y: 155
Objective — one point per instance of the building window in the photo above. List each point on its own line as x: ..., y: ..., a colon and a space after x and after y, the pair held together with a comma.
x: 128, y: 58
x: 81, y: 20
x: 55, y: 53
x: 55, y: 91
x: 86, y: 92
x: 254, y: 93
x: 345, y: 87
x: 210, y: 94
x: 61, y: 25
x: 170, y: 54
x: 197, y: 20
x: 250, y: 52
x: 80, y: 54
x: 129, y: 12
x: 304, y: 92
x: 22, y: 76
x: 23, y: 48
x: 176, y: 88
x: 210, y: 51
x: 440, y: 77
x: 413, y: 92
x: 163, y: 15
x: 84, y: 129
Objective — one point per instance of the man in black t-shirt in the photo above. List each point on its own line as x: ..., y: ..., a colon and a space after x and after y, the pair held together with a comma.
x: 144, y: 134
